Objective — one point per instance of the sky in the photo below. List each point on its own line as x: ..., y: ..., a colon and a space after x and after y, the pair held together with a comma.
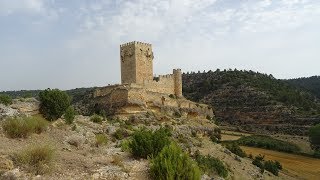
x: 75, y: 43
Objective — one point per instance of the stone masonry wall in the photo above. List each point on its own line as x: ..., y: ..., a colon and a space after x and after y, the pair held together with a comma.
x: 128, y: 63
x: 136, y: 62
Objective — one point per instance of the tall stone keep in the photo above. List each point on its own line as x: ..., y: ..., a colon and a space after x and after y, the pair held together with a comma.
x: 136, y: 62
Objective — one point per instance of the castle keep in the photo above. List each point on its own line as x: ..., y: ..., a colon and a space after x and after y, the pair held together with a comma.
x: 140, y: 91
x: 137, y: 68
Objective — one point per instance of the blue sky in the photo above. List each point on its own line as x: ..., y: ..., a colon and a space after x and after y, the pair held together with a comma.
x: 75, y: 43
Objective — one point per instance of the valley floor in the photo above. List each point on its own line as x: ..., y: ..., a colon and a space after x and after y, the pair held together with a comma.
x: 298, y: 166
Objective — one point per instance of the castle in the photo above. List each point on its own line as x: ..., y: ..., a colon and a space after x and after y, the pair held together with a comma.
x: 140, y: 91
x: 137, y: 68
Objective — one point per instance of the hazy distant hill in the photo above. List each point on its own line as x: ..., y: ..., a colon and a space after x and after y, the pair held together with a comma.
x: 311, y: 84
x: 76, y: 94
x: 254, y: 101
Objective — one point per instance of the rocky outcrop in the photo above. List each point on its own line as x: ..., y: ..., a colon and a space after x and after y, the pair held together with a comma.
x: 28, y: 106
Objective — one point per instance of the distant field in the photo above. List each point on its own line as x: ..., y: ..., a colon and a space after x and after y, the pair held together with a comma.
x: 294, y: 165
x: 232, y: 135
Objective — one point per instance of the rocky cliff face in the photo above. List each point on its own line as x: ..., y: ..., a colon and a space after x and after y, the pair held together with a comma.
x: 253, y: 102
x: 24, y: 106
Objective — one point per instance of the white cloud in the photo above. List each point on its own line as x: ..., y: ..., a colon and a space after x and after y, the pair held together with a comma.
x: 191, y: 34
x: 8, y: 7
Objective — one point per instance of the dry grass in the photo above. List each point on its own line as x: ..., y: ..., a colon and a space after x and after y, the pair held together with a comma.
x: 226, y: 137
x: 23, y: 127
x: 117, y: 160
x: 294, y: 165
x: 101, y: 139
x: 36, y: 159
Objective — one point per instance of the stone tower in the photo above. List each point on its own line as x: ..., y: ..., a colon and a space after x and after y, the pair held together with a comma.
x: 136, y: 62
x: 177, y: 75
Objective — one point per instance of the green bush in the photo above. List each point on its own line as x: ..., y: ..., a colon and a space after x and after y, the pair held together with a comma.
x: 316, y: 154
x: 272, y: 166
x: 173, y: 164
x: 215, y: 136
x: 101, y: 139
x: 146, y: 143
x: 211, y: 165
x: 121, y: 133
x: 125, y: 146
x: 69, y: 115
x: 23, y: 127
x: 53, y: 103
x: 314, y: 137
x: 37, y: 159
x: 235, y: 148
x: 5, y: 99
x: 96, y: 118
x: 258, y: 161
x: 267, y: 142
x: 172, y: 96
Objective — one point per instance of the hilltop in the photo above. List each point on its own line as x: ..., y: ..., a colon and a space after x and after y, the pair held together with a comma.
x: 253, y: 101
x: 311, y: 84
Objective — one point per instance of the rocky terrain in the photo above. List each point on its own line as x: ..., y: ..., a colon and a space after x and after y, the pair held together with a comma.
x: 254, y: 102
x: 77, y: 156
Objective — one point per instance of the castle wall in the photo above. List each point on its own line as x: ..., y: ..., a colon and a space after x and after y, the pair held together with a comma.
x: 128, y: 63
x: 136, y: 62
x: 144, y: 62
x: 164, y: 85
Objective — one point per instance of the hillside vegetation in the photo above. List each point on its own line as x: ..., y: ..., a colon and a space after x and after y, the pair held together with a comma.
x: 311, y: 84
x: 247, y: 97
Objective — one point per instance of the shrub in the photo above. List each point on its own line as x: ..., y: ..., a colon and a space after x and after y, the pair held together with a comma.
x: 38, y: 124
x: 146, y: 143
x: 96, y: 118
x: 69, y: 115
x: 268, y: 143
x: 215, y: 136
x: 53, y: 103
x: 272, y: 166
x: 211, y: 165
x: 235, y: 148
x: 5, y: 99
x: 101, y: 139
x: 258, y: 161
x: 120, y: 134
x: 316, y: 154
x: 172, y: 163
x: 125, y: 146
x: 172, y: 96
x: 314, y: 137
x: 23, y: 127
x: 177, y: 114
x: 36, y: 159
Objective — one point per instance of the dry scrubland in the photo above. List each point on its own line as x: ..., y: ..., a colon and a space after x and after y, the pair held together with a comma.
x: 99, y: 150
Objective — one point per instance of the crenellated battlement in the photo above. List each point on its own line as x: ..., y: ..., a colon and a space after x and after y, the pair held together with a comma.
x: 135, y: 43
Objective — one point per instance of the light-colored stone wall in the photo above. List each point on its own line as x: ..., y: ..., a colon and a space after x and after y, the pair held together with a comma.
x: 128, y: 63
x: 136, y: 62
x: 177, y: 82
x: 137, y: 69
x: 144, y: 62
